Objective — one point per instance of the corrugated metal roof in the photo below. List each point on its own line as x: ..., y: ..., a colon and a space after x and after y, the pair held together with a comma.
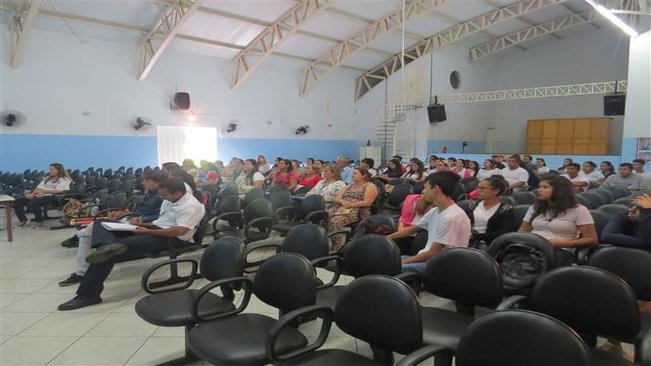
x: 297, y: 44
x: 221, y: 29
x: 136, y: 12
x: 331, y: 25
x: 267, y: 11
x: 372, y: 9
x: 181, y: 45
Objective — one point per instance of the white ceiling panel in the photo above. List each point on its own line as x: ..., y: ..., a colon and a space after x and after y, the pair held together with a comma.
x: 504, y: 28
x: 463, y: 9
x: 300, y: 45
x: 84, y: 32
x: 268, y: 11
x: 140, y: 13
x: 196, y: 48
x: 549, y: 13
x: 471, y: 41
x: 331, y: 25
x: 427, y: 24
x: 221, y: 29
x: 365, y: 60
x: 372, y: 9
x: 392, y: 43
x: 577, y: 29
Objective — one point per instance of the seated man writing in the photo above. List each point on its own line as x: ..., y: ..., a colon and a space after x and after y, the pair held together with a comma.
x: 180, y: 215
x: 147, y: 211
x: 447, y: 224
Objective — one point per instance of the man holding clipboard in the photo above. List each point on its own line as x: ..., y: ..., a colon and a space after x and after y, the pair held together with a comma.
x: 180, y: 215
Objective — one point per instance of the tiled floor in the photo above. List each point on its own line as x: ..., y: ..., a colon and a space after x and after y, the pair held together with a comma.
x: 33, y: 332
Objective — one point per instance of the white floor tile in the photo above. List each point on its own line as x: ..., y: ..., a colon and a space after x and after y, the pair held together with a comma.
x: 14, y: 323
x: 100, y: 351
x: 24, y: 285
x: 121, y: 324
x: 6, y: 299
x: 33, y: 350
x: 157, y: 350
x: 11, y: 271
x: 3, y: 339
x: 55, y: 273
x: 65, y: 324
x: 169, y: 332
x: 36, y: 303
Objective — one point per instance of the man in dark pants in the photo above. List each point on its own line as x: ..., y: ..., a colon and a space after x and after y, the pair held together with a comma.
x: 179, y: 218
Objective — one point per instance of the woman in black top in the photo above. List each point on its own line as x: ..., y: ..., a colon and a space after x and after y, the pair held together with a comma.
x: 393, y: 171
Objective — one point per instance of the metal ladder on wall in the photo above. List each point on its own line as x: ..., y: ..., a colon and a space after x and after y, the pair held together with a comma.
x: 388, y: 133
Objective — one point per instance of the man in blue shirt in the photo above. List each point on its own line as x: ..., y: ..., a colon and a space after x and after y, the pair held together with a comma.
x: 346, y: 170
x: 147, y: 211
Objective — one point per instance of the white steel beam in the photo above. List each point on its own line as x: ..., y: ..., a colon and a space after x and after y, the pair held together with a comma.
x: 383, y: 71
x: 22, y: 26
x: 264, y: 44
x: 337, y: 55
x: 168, y: 25
x: 524, y: 35
x: 539, y: 92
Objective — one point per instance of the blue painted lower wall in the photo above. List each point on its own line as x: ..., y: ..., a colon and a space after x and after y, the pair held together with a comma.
x: 294, y: 149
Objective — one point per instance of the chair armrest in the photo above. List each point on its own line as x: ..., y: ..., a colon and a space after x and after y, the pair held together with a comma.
x: 320, y: 311
x: 144, y: 281
x: 227, y: 216
x: 253, y: 247
x: 338, y: 269
x: 348, y: 233
x: 257, y: 223
x: 286, y: 214
x: 410, y: 278
x: 421, y: 355
x: 246, y: 287
x: 512, y: 302
x: 317, y: 217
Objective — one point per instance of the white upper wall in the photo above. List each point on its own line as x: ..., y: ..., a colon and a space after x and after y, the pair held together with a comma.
x: 638, y: 110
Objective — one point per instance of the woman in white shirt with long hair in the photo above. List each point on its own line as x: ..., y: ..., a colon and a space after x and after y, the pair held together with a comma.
x: 57, y: 181
x: 489, y: 170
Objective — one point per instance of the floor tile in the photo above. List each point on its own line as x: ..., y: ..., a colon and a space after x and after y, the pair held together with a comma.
x: 122, y: 324
x: 169, y: 332
x: 36, y: 303
x: 65, y: 324
x: 6, y: 299
x: 24, y: 285
x: 3, y: 339
x: 34, y: 261
x: 56, y: 273
x: 100, y: 351
x: 33, y: 350
x: 157, y: 350
x: 14, y: 323
x: 11, y: 271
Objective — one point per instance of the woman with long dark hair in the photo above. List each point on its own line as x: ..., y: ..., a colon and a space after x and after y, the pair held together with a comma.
x: 489, y: 170
x: 251, y: 178
x: 559, y: 218
x: 285, y: 176
x: 489, y: 216
x: 416, y: 172
x: 607, y: 168
x: 57, y: 181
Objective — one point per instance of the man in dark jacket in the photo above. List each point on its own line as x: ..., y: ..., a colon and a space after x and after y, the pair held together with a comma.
x: 632, y: 230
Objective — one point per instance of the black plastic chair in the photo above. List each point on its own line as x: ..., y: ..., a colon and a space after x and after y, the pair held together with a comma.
x: 593, y: 302
x: 613, y: 209
x: 508, y: 200
x: 256, y: 222
x: 222, y: 260
x: 252, y: 195
x: 605, y: 194
x: 600, y: 219
x: 285, y: 281
x: 626, y: 201
x: 280, y: 199
x: 469, y: 184
x: 227, y: 215
x: 519, y: 212
x: 366, y: 255
x: 596, y: 200
x: 584, y: 202
x: 513, y: 338
x: 397, y: 196
x: 311, y: 209
x: 619, y: 191
x: 393, y: 326
x: 525, y: 198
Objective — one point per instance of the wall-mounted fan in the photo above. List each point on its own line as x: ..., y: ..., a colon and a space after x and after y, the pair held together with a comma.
x: 302, y: 130
x: 11, y: 118
x: 141, y: 123
x: 230, y: 127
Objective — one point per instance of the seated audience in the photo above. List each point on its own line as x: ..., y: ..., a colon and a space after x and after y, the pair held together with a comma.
x: 566, y: 163
x: 179, y: 218
x: 310, y: 178
x: 367, y: 164
x: 402, y: 167
x: 489, y: 170
x: 442, y: 165
x: 527, y: 163
x: 638, y: 168
x: 557, y: 217
x: 432, y: 165
x: 346, y: 171
x: 57, y: 181
x: 489, y: 217
x: 296, y: 167
x: 176, y: 171
x: 499, y: 161
x: 607, y: 168
x: 579, y: 181
x: 626, y: 178
x: 447, y: 224
x: 207, y: 175
x: 146, y: 212
x: 473, y: 166
x: 589, y: 170
x: 514, y: 174
x: 309, y: 162
x: 632, y: 230
x: 352, y: 205
x: 263, y: 165
x: 330, y: 185
x: 190, y: 168
x: 460, y: 168
x: 392, y: 171
x: 318, y: 165
x: 249, y: 178
x: 416, y: 172
x: 414, y: 207
x: 541, y: 167
x: 285, y: 176
x: 232, y: 170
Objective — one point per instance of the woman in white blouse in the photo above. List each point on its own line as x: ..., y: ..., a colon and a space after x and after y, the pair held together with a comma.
x: 249, y: 178
x: 57, y: 181
x: 541, y: 167
x: 330, y: 186
x: 489, y: 170
x: 559, y: 218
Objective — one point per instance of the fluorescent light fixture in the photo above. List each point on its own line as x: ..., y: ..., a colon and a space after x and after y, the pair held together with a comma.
x: 613, y: 18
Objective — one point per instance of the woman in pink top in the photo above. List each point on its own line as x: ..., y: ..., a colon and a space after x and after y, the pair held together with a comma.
x: 413, y: 208
x: 460, y: 168
x: 284, y: 176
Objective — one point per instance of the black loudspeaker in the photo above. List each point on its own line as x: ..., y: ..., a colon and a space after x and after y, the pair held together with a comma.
x: 614, y: 105
x: 181, y: 101
x: 436, y: 113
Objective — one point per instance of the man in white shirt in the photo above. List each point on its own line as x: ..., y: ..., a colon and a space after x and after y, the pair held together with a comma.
x: 514, y: 174
x: 447, y: 224
x: 180, y: 216
x: 590, y: 171
x: 638, y: 168
x: 580, y: 182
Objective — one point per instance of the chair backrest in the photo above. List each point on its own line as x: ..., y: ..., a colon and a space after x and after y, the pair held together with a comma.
x: 395, y: 324
x: 590, y: 300
x: 584, y: 201
x: 605, y: 194
x: 224, y: 258
x: 372, y: 254
x: 596, y: 200
x: 619, y: 191
x: 308, y: 240
x: 258, y: 208
x: 469, y: 183
x: 448, y: 275
x: 252, y: 195
x: 631, y: 265
x: 310, y: 204
x: 228, y: 191
x: 117, y: 200
x: 525, y: 198
x: 399, y: 193
x: 228, y: 204
x: 508, y: 200
x: 465, y: 204
x: 286, y: 281
x: 626, y: 201
x: 499, y: 339
x: 375, y: 224
x: 202, y: 229
x: 613, y: 209
x: 523, y: 258
x: 302, y: 190
x: 280, y: 199
x: 518, y: 215
x: 600, y: 219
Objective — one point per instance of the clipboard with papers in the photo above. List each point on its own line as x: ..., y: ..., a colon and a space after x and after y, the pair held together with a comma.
x: 118, y: 226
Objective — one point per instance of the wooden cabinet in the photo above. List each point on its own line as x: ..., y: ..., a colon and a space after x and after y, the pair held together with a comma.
x: 568, y: 136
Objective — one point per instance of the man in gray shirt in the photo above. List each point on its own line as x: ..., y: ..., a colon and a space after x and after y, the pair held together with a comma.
x: 626, y: 178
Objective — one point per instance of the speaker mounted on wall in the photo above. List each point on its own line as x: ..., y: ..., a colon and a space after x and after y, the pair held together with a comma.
x: 436, y: 112
x: 180, y: 101
x: 614, y: 105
